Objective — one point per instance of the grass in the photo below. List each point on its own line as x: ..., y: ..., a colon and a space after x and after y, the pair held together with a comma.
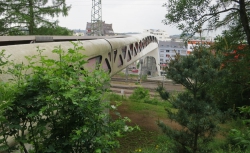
x: 146, y: 140
x: 145, y: 108
x: 121, y: 74
x: 149, y: 140
x: 137, y: 140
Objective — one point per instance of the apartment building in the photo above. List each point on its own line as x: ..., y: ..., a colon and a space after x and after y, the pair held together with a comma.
x: 169, y: 49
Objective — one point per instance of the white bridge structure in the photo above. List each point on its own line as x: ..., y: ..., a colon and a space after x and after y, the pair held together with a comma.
x: 112, y: 53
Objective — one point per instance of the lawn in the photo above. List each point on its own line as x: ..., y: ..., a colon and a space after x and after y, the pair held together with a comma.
x: 150, y: 139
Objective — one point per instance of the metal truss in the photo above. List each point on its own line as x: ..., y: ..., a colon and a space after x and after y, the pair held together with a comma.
x: 96, y: 18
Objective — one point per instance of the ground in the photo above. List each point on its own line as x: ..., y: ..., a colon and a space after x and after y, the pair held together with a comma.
x: 148, y: 134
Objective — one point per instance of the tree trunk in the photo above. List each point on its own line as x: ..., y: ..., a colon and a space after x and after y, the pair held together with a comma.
x: 244, y: 19
x: 195, y: 142
x: 31, y: 18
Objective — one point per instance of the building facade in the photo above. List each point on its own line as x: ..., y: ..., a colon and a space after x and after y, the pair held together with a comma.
x: 169, y: 49
x: 107, y: 29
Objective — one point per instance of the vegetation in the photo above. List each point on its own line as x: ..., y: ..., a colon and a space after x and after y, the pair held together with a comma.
x: 53, y: 30
x: 196, y: 110
x: 190, y: 16
x: 21, y: 17
x: 232, y: 88
x: 230, y: 91
x: 162, y: 91
x: 57, y: 106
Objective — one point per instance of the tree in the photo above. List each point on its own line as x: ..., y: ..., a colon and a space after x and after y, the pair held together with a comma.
x: 196, y: 111
x: 28, y: 15
x: 190, y: 16
x: 232, y: 89
x: 54, y: 30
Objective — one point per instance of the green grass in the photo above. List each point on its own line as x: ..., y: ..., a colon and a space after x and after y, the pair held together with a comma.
x: 155, y: 109
x: 148, y: 141
x: 123, y: 75
x: 145, y: 108
x: 137, y: 140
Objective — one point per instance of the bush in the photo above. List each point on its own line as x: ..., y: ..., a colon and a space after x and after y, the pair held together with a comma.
x: 152, y: 101
x: 60, y: 105
x: 116, y: 97
x: 140, y: 94
x: 241, y: 138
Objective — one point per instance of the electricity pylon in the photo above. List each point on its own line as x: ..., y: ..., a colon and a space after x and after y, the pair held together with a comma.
x: 96, y: 18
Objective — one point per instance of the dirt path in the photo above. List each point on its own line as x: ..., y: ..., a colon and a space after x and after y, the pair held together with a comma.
x: 145, y: 120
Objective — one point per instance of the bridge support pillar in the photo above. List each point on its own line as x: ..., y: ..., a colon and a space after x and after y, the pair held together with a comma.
x: 150, y: 64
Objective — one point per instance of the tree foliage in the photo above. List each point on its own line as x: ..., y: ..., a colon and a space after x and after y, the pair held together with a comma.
x: 196, y: 113
x: 232, y: 89
x: 28, y: 15
x: 58, y: 107
x: 53, y: 30
x: 190, y: 16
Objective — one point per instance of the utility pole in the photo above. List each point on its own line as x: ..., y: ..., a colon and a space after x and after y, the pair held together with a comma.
x: 96, y: 18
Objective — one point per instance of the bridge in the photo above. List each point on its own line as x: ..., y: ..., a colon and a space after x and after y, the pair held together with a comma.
x: 113, y: 53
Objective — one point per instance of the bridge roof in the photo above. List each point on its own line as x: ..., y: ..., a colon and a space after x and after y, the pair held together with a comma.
x: 12, y: 40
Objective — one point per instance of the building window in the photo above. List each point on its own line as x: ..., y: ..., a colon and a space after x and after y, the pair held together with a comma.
x: 167, y: 51
x: 161, y: 55
x: 161, y: 60
x: 162, y: 51
x: 167, y: 55
x: 183, y: 52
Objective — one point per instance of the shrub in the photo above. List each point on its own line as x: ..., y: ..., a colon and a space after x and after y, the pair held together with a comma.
x: 152, y: 101
x: 60, y: 105
x: 140, y: 94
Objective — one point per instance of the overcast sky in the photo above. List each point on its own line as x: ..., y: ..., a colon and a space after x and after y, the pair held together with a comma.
x: 125, y: 15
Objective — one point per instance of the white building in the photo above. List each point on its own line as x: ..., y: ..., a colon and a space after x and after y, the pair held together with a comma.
x: 161, y: 35
x: 169, y: 49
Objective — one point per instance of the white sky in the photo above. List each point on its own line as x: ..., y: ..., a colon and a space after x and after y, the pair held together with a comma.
x: 125, y: 15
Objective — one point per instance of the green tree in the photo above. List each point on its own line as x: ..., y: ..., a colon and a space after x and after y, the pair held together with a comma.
x: 190, y: 16
x: 28, y: 15
x: 196, y: 112
x: 232, y: 89
x: 54, y: 30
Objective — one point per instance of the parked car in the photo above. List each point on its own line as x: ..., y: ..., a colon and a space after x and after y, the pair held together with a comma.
x: 135, y: 70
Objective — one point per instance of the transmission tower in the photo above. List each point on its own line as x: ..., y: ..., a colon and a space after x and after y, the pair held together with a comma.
x: 96, y: 18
